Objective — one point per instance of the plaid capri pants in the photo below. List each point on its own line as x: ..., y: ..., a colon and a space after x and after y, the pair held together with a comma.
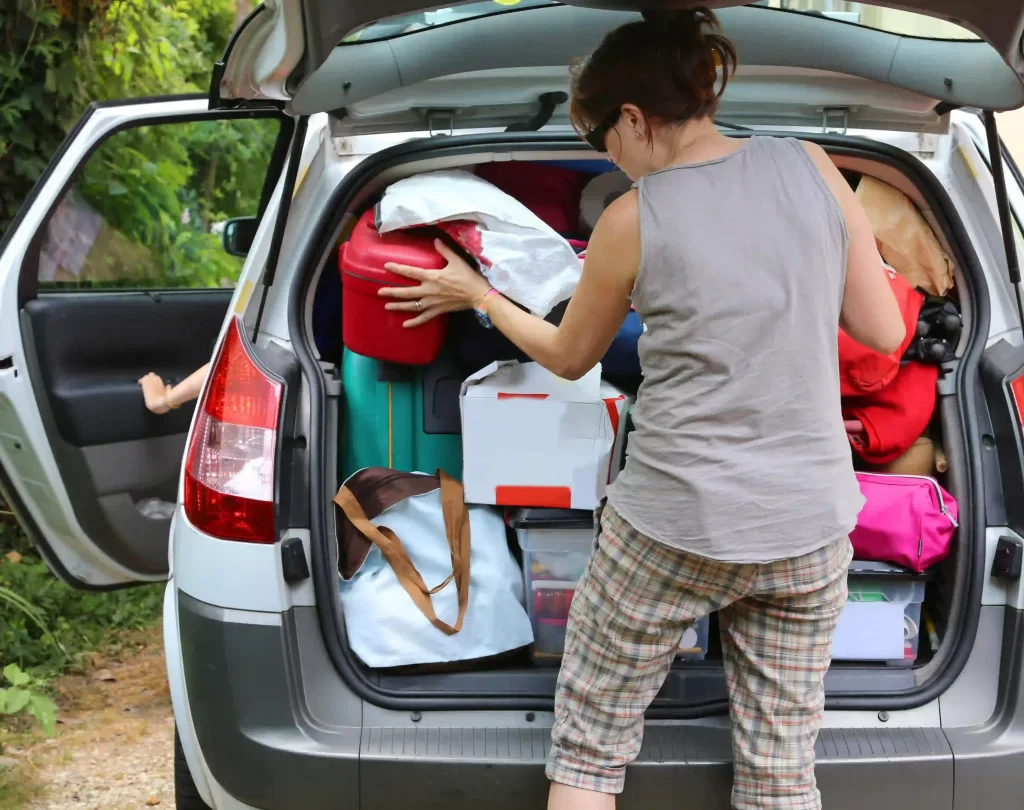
x: 633, y: 603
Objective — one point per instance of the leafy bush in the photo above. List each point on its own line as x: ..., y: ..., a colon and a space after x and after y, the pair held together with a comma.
x: 20, y: 604
x: 58, y: 56
x: 65, y: 622
x: 162, y: 187
x: 23, y: 697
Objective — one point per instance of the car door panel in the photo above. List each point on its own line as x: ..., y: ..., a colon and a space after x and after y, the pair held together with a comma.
x: 91, y: 381
x: 87, y: 354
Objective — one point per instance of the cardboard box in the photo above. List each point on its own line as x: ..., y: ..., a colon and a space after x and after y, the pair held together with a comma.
x: 530, y: 438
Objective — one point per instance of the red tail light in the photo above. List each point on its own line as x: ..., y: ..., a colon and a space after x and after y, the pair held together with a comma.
x: 1017, y: 391
x: 229, y: 472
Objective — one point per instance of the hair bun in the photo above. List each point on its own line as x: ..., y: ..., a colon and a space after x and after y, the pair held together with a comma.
x: 687, y: 23
x: 673, y: 64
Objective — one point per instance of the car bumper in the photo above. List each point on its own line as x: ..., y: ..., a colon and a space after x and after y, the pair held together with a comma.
x: 278, y: 730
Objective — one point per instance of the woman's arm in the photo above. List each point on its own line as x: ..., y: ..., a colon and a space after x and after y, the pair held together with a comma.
x: 594, y: 314
x: 870, y: 313
x: 161, y: 397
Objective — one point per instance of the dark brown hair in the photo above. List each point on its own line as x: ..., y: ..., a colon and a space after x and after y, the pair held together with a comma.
x: 667, y: 65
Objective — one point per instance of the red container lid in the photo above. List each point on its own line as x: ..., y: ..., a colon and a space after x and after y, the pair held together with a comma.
x: 364, y: 255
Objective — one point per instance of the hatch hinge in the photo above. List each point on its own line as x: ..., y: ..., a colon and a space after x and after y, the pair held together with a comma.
x: 835, y: 120
x: 213, y: 94
x: 440, y: 122
x: 995, y: 158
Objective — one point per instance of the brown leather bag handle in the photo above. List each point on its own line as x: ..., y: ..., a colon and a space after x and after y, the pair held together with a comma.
x: 456, y: 526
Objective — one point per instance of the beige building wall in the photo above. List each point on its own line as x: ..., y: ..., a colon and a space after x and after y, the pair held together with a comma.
x: 1011, y: 128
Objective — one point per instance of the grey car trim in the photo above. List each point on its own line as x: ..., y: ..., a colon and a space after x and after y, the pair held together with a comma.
x: 451, y: 692
x: 958, y: 74
x: 989, y: 759
x: 257, y: 739
x: 278, y: 730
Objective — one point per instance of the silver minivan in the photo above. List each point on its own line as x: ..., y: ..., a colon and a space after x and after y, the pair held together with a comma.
x: 273, y: 709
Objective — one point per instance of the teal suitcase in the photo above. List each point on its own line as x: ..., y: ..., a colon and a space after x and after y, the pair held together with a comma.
x: 403, y: 417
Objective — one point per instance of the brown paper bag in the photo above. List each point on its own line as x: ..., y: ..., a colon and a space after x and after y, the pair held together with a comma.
x: 905, y: 239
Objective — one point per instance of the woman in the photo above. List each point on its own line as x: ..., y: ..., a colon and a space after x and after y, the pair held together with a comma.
x: 743, y: 258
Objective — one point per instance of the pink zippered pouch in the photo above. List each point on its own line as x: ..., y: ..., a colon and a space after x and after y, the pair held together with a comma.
x: 908, y: 520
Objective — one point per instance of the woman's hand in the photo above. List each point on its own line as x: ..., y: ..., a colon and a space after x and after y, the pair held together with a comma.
x: 457, y: 286
x: 155, y: 391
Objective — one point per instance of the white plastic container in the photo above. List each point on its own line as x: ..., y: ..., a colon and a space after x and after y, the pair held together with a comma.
x: 882, y: 618
x: 531, y: 439
x: 556, y: 546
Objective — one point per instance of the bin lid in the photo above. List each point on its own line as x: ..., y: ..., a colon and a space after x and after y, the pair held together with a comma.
x: 881, y: 569
x: 546, y: 518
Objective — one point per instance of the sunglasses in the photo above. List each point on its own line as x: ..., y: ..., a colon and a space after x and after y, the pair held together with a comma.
x: 596, y: 137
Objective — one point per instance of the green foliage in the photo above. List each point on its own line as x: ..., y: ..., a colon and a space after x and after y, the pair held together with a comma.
x: 158, y: 189
x: 22, y: 697
x: 162, y: 187
x: 65, y: 622
x: 146, y: 48
x: 34, y: 40
x: 16, y: 602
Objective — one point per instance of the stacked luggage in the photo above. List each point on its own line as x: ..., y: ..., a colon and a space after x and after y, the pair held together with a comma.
x: 454, y: 397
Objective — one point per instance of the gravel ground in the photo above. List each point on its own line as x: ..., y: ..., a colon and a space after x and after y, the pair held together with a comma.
x: 114, y: 745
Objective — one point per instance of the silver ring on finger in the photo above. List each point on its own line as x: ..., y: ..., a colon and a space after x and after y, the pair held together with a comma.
x: 419, y: 305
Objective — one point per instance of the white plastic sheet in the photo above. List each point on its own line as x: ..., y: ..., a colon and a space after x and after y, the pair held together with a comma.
x: 521, y: 256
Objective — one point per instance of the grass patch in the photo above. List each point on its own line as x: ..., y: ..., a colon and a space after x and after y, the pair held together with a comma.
x: 67, y: 632
x: 18, y: 786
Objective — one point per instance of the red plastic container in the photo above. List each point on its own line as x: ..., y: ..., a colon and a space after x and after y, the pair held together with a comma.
x: 369, y: 329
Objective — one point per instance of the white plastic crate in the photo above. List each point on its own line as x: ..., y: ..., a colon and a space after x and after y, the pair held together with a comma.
x: 882, y: 618
x: 556, y: 546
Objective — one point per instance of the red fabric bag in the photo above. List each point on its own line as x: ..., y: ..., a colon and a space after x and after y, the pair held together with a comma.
x: 863, y: 370
x: 551, y: 192
x: 894, y: 417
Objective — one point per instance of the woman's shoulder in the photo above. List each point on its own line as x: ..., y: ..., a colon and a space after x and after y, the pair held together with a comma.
x: 616, y: 238
x: 621, y: 219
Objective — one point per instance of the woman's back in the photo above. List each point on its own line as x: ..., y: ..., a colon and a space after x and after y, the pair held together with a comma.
x: 739, y: 451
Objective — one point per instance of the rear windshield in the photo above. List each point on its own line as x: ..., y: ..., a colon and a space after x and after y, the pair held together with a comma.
x: 407, y: 23
x: 884, y: 19
x: 892, y: 20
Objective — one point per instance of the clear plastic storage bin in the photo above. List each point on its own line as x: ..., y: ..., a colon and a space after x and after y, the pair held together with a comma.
x: 882, y: 618
x: 556, y: 545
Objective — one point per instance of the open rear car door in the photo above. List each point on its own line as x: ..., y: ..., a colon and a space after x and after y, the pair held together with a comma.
x: 114, y: 268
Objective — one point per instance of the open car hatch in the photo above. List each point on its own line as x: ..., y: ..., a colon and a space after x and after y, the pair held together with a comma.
x: 329, y: 56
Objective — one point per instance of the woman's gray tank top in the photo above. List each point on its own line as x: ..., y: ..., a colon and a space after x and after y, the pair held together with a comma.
x: 739, y: 451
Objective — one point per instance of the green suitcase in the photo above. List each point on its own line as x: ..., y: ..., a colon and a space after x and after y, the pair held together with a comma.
x: 403, y: 417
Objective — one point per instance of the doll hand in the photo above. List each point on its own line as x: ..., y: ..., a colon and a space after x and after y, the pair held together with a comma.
x: 154, y: 392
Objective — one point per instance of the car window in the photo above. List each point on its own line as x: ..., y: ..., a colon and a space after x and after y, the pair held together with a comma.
x: 882, y: 18
x: 407, y: 23
x: 147, y: 208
